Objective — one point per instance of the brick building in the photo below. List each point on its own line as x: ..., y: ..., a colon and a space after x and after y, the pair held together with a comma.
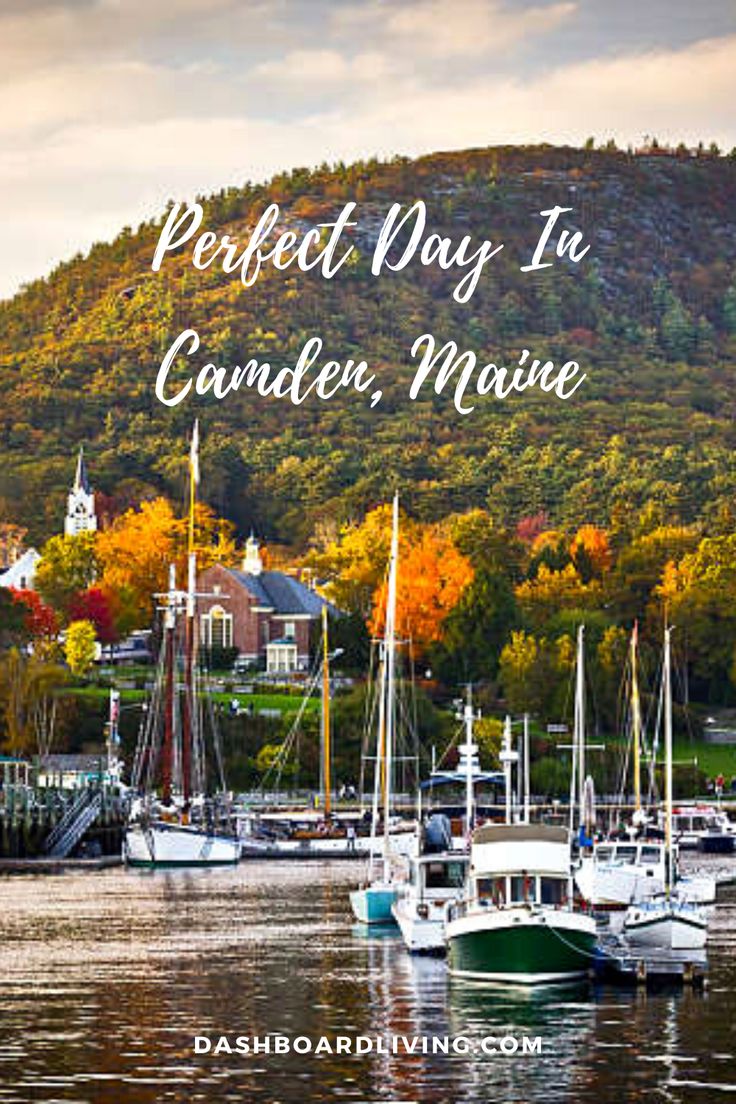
x: 266, y: 615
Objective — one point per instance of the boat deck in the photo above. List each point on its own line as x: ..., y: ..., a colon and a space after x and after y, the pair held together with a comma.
x: 619, y: 963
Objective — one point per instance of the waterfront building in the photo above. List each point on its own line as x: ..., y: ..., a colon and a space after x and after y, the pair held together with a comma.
x: 266, y: 615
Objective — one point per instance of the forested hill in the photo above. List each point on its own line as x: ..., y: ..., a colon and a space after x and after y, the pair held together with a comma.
x: 650, y: 314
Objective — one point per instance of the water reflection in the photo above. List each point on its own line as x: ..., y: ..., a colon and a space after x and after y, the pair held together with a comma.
x: 107, y: 978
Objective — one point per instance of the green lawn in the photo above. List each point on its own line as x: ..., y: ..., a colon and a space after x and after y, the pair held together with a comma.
x: 713, y: 759
x: 287, y: 703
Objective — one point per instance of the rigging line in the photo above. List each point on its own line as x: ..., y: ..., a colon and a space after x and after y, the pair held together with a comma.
x: 367, y: 701
x: 278, y: 763
x: 459, y: 731
x: 370, y: 721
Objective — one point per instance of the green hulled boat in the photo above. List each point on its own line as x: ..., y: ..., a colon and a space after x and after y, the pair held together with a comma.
x: 517, y: 921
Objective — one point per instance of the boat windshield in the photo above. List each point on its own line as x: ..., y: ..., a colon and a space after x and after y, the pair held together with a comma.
x: 553, y: 891
x: 650, y: 854
x: 445, y: 875
x: 626, y: 854
x: 604, y: 854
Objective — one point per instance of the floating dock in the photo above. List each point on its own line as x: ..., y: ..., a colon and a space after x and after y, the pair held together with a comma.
x: 619, y: 963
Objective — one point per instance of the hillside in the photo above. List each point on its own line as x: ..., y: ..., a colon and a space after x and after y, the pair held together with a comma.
x: 651, y: 316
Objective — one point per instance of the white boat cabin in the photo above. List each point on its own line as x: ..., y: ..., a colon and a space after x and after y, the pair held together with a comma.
x: 519, y: 864
x: 645, y: 853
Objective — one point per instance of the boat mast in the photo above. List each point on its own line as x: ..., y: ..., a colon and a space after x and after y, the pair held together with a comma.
x: 577, y: 773
x: 168, y: 743
x: 470, y: 752
x: 326, y: 749
x: 379, y: 778
x: 668, y: 761
x: 527, y: 768
x: 390, y: 661
x: 636, y: 717
x: 507, y: 759
x: 188, y: 710
x: 580, y: 713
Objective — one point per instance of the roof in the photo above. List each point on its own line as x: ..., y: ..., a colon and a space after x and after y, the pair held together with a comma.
x: 281, y: 593
x: 521, y: 833
x: 81, y: 763
x: 81, y: 479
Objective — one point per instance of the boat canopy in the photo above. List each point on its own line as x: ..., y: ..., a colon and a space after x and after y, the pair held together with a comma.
x: 447, y: 778
x: 500, y: 849
x: 502, y: 833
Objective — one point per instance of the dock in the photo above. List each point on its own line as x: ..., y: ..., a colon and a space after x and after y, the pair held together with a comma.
x: 56, y: 866
x: 619, y: 963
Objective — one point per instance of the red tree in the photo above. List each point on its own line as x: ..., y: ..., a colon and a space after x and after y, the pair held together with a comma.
x: 96, y: 605
x: 40, y: 619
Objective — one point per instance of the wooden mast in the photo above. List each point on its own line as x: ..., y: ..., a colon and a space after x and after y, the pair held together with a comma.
x: 188, y: 709
x: 168, y: 743
x: 326, y: 748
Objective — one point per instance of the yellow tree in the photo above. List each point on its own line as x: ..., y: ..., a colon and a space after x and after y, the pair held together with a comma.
x: 68, y: 566
x: 534, y: 673
x: 355, y: 562
x: 550, y: 592
x: 28, y: 701
x: 79, y: 647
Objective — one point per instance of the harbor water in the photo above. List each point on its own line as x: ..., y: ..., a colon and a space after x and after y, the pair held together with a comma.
x: 107, y: 977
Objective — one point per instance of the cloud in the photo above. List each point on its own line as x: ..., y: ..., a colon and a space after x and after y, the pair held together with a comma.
x: 465, y: 28
x: 323, y: 67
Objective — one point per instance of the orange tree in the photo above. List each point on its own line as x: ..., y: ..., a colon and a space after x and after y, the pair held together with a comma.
x: 433, y: 575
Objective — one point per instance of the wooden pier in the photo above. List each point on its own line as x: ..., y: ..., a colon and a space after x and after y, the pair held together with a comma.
x: 619, y: 963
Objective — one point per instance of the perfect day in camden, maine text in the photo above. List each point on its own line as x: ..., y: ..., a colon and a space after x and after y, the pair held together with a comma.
x: 402, y: 239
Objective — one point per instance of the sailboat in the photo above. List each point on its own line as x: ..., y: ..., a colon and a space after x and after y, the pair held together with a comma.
x: 614, y: 873
x: 517, y: 920
x: 372, y: 903
x: 321, y: 832
x: 670, y: 923
x: 438, y: 870
x: 177, y: 823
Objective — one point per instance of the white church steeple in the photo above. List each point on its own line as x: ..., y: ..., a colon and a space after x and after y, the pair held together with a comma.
x: 252, y: 562
x: 80, y: 509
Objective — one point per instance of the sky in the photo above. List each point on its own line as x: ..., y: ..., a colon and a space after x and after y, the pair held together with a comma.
x: 109, y: 108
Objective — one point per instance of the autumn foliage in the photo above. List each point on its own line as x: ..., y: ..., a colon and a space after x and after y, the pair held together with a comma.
x: 432, y: 577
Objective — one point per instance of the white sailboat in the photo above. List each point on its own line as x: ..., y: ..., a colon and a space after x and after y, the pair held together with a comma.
x: 372, y: 903
x: 177, y: 824
x: 670, y: 923
x: 437, y: 870
x: 614, y: 874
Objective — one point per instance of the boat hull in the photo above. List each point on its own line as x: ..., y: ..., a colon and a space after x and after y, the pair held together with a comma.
x: 165, y: 845
x: 521, y: 946
x: 421, y: 935
x: 253, y: 847
x: 372, y: 904
x: 666, y: 928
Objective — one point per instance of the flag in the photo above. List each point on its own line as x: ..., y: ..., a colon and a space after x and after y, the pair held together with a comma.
x: 194, y: 453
